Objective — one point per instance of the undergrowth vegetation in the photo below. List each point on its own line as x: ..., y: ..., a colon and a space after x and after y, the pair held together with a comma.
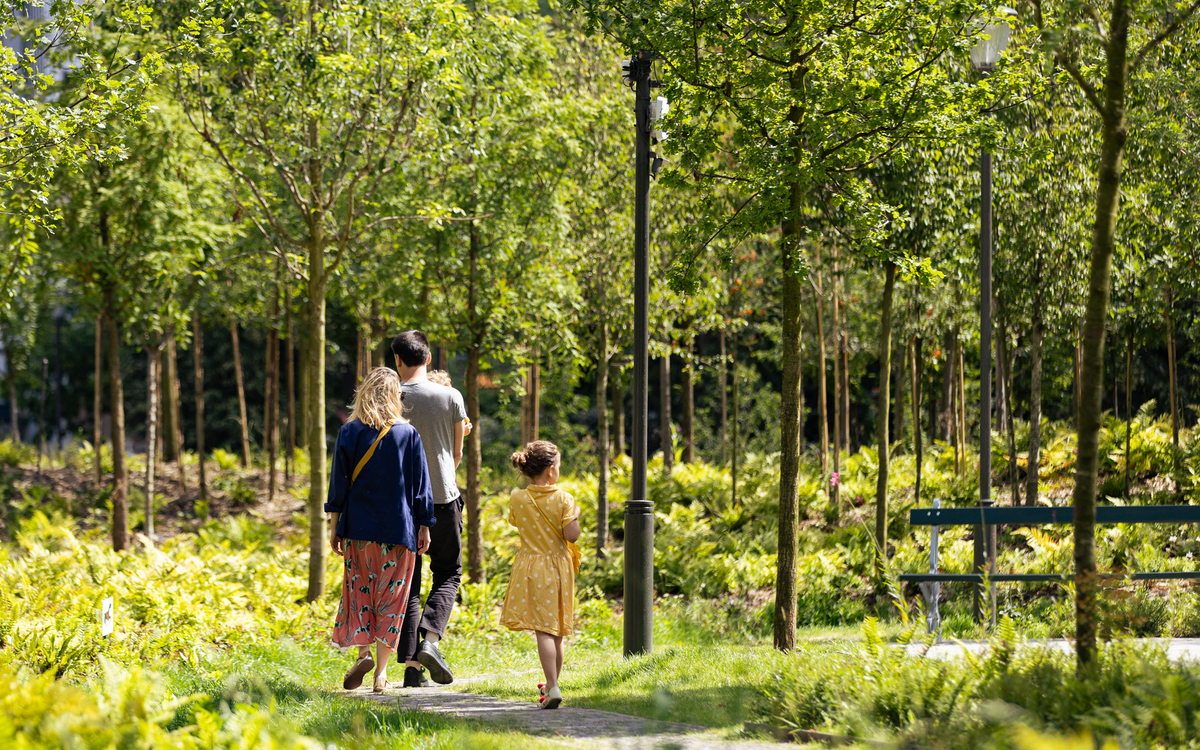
x: 1014, y: 697
x: 213, y: 643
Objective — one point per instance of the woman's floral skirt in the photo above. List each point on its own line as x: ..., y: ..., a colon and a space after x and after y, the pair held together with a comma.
x: 375, y: 585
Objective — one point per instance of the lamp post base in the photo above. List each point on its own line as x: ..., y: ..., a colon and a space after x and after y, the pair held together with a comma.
x: 639, y: 577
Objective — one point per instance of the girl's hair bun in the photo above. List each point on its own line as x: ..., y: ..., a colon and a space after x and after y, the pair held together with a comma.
x: 536, y: 458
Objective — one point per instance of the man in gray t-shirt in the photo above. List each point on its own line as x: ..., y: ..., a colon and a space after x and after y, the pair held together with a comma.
x: 438, y: 414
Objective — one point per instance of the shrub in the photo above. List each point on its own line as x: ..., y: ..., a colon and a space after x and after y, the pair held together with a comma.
x: 877, y: 690
x: 15, y: 454
x: 225, y: 460
x: 125, y: 708
x: 232, y: 583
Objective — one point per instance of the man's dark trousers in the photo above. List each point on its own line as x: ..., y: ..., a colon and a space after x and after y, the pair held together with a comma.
x: 445, y: 565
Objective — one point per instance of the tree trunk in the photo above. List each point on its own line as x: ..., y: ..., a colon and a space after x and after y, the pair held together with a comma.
x: 846, y: 438
x: 688, y: 422
x: 945, y: 420
x: 151, y: 434
x: 1174, y: 392
x: 723, y: 386
x: 822, y: 376
x: 171, y: 448
x: 116, y: 395
x: 378, y: 346
x: 1116, y: 387
x: 1035, y: 404
x: 290, y: 364
x: 885, y: 407
x: 362, y: 362
x: 303, y: 423
x: 789, y: 433
x: 898, y: 404
x: 535, y: 398
x: 962, y: 404
x: 11, y: 380
x: 241, y: 393
x: 530, y: 402
x: 734, y: 434
x: 918, y: 371
x: 97, y: 400
x: 602, y: 441
x: 271, y: 403
x: 618, y: 408
x: 665, y: 431
x: 177, y: 387
x: 952, y: 416
x: 527, y: 384
x: 198, y: 377
x: 475, y: 569
x: 158, y: 443
x: 1004, y: 382
x: 840, y: 438
x: 1078, y: 360
x: 475, y: 563
x: 1095, y: 316
x: 316, y: 414
x: 1128, y: 401
x: 316, y: 417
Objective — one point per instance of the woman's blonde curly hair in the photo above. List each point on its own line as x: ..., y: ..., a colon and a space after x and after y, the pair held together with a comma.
x: 378, y: 401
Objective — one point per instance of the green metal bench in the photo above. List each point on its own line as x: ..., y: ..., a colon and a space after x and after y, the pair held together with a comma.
x: 988, y: 515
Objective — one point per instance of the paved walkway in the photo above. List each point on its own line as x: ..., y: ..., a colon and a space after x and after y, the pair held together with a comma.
x: 603, y: 730
x: 1178, y: 649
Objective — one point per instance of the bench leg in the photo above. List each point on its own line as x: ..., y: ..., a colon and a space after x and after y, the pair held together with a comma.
x: 933, y: 589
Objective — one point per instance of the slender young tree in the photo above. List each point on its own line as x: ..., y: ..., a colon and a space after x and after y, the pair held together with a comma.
x: 97, y: 399
x: 198, y: 381
x: 885, y: 372
x: 313, y: 147
x: 1067, y: 33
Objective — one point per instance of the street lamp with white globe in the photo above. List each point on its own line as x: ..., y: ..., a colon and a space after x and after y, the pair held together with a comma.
x: 985, y: 56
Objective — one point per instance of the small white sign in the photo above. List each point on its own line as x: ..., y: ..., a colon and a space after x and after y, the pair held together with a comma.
x: 106, y: 616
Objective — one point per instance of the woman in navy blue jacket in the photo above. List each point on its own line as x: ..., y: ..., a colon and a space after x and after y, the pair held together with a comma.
x: 382, y: 507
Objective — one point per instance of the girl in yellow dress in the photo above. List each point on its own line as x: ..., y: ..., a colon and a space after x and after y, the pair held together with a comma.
x: 541, y: 589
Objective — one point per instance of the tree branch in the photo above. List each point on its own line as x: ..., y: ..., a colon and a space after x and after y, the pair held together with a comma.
x: 1088, y: 90
x: 1162, y: 36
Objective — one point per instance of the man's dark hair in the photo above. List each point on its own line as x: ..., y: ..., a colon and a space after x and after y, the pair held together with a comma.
x: 412, y: 348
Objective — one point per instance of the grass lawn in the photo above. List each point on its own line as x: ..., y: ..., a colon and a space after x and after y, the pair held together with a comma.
x: 691, y: 677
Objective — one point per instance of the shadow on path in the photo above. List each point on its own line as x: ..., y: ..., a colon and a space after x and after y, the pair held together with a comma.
x: 599, y: 729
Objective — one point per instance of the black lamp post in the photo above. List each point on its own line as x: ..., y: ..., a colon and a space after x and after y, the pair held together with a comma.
x: 985, y: 55
x: 639, y: 510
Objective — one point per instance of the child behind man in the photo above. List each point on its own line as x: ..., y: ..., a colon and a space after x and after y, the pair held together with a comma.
x: 441, y: 377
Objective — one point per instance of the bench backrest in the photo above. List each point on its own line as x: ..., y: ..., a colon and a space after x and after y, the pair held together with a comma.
x: 1040, y: 515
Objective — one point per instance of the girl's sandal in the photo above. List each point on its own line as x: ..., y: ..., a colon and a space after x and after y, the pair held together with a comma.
x: 354, y: 678
x: 381, y: 685
x: 542, y: 689
x: 552, y: 699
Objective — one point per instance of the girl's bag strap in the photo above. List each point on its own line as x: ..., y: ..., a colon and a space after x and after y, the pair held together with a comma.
x: 370, y: 452
x: 539, y: 510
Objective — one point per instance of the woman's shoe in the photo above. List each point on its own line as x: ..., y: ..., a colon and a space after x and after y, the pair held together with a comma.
x: 381, y: 683
x: 354, y: 678
x: 552, y: 698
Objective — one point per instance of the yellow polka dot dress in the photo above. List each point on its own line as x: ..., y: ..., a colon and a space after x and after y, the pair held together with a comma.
x: 541, y: 589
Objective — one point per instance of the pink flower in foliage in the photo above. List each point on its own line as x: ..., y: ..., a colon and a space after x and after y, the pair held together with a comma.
x: 833, y: 479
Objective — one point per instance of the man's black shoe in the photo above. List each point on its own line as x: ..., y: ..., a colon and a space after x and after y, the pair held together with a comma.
x: 431, y: 658
x: 415, y: 678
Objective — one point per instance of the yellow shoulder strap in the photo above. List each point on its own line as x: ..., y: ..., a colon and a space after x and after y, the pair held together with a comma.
x: 370, y: 452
